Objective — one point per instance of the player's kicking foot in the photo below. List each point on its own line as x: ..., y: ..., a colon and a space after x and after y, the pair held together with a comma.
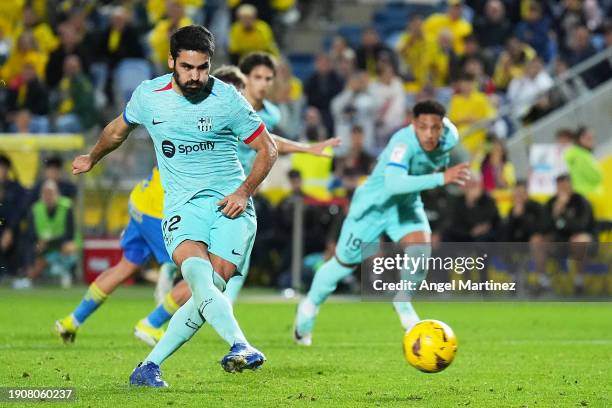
x: 304, y: 322
x: 242, y: 356
x: 147, y: 375
x: 302, y: 339
x: 147, y: 333
x: 66, y: 328
x: 408, y: 317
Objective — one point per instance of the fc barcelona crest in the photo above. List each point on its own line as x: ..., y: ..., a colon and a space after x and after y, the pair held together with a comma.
x: 205, y: 124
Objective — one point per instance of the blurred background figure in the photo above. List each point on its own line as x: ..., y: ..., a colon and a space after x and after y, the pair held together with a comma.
x: 355, y: 105
x: 75, y: 111
x: 473, y: 215
x: 249, y: 34
x: 357, y: 159
x: 526, y: 221
x: 453, y: 21
x: 497, y: 171
x: 53, y: 170
x: 12, y: 197
x: 569, y: 215
x: 388, y: 91
x: 159, y: 38
x: 467, y: 107
x: 584, y: 170
x: 322, y: 86
x: 51, y: 228
x: 28, y: 103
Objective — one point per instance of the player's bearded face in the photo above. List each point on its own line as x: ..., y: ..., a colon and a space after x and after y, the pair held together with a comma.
x: 191, y: 70
x: 428, y: 128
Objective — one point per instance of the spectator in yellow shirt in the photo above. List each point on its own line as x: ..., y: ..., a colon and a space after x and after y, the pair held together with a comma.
x: 512, y: 62
x: 467, y: 107
x: 250, y: 34
x: 417, y: 54
x: 452, y: 21
x: 46, y: 40
x: 157, y: 9
x: 160, y: 36
x: 26, y: 51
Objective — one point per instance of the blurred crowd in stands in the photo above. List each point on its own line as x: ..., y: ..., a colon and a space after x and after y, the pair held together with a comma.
x: 69, y: 66
x: 37, y: 232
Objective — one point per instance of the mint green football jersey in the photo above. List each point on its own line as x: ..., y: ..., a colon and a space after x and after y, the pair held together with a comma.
x: 270, y: 115
x: 404, y: 151
x: 195, y: 141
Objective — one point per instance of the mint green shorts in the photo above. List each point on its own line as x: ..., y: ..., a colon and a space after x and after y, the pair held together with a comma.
x: 201, y: 219
x: 396, y: 222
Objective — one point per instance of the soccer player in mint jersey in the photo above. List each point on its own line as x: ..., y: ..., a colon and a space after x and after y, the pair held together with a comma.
x: 259, y: 68
x: 180, y: 293
x: 143, y: 237
x: 389, y: 202
x: 209, y: 225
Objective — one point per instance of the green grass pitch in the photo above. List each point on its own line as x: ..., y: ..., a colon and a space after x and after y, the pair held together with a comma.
x: 510, y: 355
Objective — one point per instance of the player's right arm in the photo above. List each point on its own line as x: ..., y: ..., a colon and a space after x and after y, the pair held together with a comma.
x: 113, y: 135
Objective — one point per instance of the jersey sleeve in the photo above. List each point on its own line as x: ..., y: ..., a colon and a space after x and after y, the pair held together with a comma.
x: 244, y: 121
x: 400, y: 152
x: 451, y: 134
x: 396, y: 178
x: 133, y: 112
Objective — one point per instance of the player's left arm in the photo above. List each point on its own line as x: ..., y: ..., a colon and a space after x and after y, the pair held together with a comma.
x: 267, y: 152
x: 286, y: 146
x: 113, y: 135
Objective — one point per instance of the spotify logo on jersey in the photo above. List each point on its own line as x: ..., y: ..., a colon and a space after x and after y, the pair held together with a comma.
x: 168, y: 148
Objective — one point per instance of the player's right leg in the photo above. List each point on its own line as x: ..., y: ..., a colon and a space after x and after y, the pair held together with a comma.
x: 135, y: 253
x: 354, y: 233
x: 409, y: 226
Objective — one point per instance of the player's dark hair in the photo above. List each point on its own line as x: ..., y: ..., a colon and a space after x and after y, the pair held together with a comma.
x: 428, y: 107
x: 255, y: 59
x: 192, y: 38
x: 230, y: 74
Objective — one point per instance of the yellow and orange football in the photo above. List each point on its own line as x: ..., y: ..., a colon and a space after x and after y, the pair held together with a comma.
x: 430, y: 346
